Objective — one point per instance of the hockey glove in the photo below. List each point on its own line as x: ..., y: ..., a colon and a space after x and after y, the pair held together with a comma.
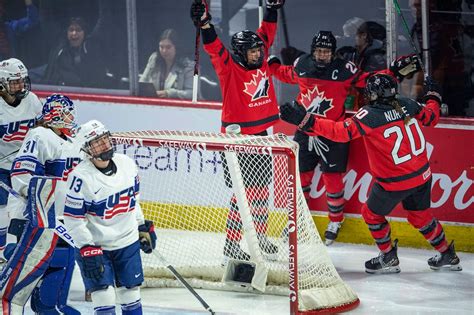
x: 199, y: 13
x: 432, y: 90
x: 296, y: 114
x: 147, y: 236
x: 274, y: 4
x: 405, y: 66
x: 290, y: 54
x: 273, y: 59
x: 92, y: 261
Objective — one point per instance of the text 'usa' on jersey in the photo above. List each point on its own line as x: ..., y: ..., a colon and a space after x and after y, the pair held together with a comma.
x: 396, y: 151
x: 16, y: 130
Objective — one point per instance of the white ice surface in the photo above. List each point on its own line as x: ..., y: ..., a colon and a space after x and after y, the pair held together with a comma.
x: 416, y: 290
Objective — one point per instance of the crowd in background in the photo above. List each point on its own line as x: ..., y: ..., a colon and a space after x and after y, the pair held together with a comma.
x: 85, y: 43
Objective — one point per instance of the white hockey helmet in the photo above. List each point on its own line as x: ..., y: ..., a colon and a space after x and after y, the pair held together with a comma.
x: 95, y: 140
x: 14, y: 70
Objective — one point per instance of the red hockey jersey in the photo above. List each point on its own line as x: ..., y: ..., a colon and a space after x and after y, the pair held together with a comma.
x: 248, y: 95
x: 396, y: 152
x: 322, y: 93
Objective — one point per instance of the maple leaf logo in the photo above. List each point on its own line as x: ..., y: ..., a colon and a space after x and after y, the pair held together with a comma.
x: 258, y: 86
x: 315, y: 102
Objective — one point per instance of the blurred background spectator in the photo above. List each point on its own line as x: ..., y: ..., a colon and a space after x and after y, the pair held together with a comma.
x: 11, y: 29
x: 123, y: 46
x: 78, y: 60
x: 170, y: 72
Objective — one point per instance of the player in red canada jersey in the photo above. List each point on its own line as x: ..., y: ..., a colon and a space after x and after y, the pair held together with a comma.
x: 248, y: 101
x: 325, y: 82
x: 398, y: 161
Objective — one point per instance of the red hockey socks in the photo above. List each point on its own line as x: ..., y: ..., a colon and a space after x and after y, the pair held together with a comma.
x: 430, y: 228
x: 379, y: 228
x: 335, y: 195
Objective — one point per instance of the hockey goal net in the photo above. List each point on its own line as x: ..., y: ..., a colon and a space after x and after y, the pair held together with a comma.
x: 215, y: 198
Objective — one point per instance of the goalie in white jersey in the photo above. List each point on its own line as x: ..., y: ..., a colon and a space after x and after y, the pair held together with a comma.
x: 18, y: 110
x: 104, y: 218
x: 40, y: 265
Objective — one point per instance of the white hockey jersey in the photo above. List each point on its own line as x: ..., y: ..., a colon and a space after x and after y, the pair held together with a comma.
x: 103, y: 210
x: 14, y: 124
x: 43, y: 152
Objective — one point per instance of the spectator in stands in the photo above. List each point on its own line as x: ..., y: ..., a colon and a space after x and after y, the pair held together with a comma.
x: 447, y: 55
x: 10, y: 29
x: 170, y: 73
x: 79, y: 59
x: 368, y: 54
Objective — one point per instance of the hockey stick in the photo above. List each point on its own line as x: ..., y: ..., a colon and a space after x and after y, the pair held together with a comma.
x: 285, y: 28
x: 185, y: 283
x: 8, y: 155
x: 59, y: 228
x: 407, y: 29
x: 196, y: 59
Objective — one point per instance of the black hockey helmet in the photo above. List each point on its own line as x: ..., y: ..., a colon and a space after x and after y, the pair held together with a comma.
x: 381, y: 87
x: 243, y: 41
x: 324, y: 39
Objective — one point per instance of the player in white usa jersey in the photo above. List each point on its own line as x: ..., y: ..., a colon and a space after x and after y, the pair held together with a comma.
x: 18, y: 110
x: 104, y: 218
x: 42, y: 265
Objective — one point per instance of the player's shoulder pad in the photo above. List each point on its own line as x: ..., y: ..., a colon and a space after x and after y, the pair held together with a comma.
x: 345, y: 69
x: 410, y: 105
x: 304, y: 63
x: 370, y: 116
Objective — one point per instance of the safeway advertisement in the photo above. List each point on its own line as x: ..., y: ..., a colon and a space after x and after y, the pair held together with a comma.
x: 451, y: 151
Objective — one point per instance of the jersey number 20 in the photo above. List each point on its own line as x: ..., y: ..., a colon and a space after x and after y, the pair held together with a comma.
x: 400, y: 135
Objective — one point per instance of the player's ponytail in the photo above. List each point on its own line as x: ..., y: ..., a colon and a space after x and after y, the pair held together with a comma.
x: 396, y: 104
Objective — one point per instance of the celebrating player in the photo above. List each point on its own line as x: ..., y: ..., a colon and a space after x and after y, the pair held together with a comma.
x: 104, y: 218
x: 18, y: 109
x: 325, y: 82
x: 249, y: 101
x: 44, y: 264
x: 396, y: 150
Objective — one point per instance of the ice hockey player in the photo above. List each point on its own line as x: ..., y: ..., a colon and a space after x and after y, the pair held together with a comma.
x: 103, y: 215
x: 325, y: 82
x: 249, y: 101
x: 18, y: 110
x: 396, y: 150
x: 42, y: 264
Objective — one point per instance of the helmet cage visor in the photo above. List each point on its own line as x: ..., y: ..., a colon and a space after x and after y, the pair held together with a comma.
x: 100, y: 147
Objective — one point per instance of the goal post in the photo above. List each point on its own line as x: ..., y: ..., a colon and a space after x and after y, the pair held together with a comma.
x: 220, y: 199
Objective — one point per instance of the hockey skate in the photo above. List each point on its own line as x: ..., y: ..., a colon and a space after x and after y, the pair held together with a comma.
x: 384, y: 262
x: 232, y: 250
x: 268, y: 248
x: 332, y: 231
x: 446, y: 261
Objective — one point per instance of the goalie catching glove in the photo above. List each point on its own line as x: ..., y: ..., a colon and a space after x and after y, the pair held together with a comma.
x: 147, y: 236
x: 296, y: 114
x: 405, y: 66
x: 92, y: 261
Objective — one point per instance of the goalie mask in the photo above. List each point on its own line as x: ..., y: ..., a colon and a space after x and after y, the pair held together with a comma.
x: 59, y: 112
x: 14, y: 78
x: 380, y: 87
x: 244, y: 41
x: 96, y: 142
x: 323, y: 48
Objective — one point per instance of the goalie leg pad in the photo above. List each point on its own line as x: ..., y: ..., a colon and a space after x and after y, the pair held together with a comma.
x: 129, y: 300
x: 53, y: 291
x: 25, y: 268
